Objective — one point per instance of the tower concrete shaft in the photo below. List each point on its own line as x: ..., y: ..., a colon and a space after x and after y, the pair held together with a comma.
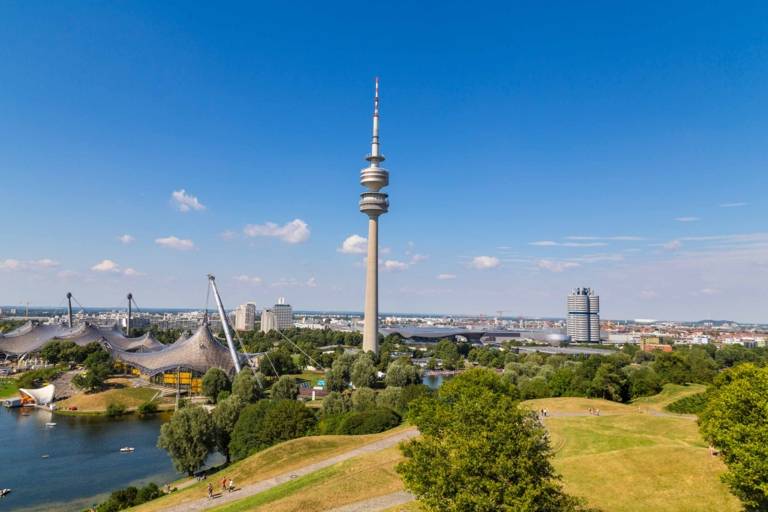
x: 373, y: 203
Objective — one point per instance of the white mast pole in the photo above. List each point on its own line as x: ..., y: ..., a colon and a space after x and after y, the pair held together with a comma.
x: 224, y: 323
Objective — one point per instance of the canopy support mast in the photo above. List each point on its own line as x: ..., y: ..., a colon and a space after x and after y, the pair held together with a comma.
x: 224, y: 323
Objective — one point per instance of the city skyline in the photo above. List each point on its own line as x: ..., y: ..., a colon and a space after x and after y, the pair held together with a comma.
x: 143, y: 151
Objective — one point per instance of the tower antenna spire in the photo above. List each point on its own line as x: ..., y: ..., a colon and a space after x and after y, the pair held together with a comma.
x: 375, y: 157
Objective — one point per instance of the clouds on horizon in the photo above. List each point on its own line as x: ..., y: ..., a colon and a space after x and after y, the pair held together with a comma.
x: 173, y: 242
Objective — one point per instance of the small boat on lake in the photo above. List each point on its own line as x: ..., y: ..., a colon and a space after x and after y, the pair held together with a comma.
x: 4, y: 492
x: 50, y: 424
x: 126, y: 449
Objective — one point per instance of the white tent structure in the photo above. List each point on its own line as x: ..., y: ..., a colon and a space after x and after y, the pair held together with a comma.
x: 40, y: 396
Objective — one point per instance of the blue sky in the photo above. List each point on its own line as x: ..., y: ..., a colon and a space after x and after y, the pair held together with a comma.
x: 532, y: 149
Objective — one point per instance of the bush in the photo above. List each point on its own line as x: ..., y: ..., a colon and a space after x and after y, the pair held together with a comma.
x: 692, y: 404
x: 363, y: 399
x: 130, y: 497
x: 147, y: 408
x: 372, y: 421
x: 115, y: 409
x: 267, y: 422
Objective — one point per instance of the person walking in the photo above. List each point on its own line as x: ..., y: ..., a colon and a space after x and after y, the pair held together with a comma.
x: 210, y: 491
x: 231, y: 485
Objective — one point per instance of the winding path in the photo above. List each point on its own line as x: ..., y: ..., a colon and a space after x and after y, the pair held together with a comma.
x: 257, y: 487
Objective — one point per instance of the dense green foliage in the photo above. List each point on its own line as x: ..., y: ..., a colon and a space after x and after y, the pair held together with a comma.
x: 734, y: 421
x: 247, y: 386
x: 224, y: 417
x: 188, y: 438
x: 115, y: 409
x: 214, y: 382
x: 147, y: 408
x: 285, y: 388
x: 63, y: 351
x: 129, y: 497
x: 691, y: 404
x: 372, y: 421
x: 363, y: 372
x: 479, y: 451
x: 98, y: 367
x: 401, y: 373
x: 267, y: 422
x: 10, y: 325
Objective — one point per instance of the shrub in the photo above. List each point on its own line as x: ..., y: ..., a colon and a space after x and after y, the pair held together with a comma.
x: 214, y: 382
x: 363, y: 399
x: 691, y: 404
x: 372, y: 421
x: 267, y: 422
x: 115, y: 409
x: 130, y: 497
x: 147, y: 408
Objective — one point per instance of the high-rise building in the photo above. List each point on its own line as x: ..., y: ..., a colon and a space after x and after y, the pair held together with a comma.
x: 373, y: 203
x: 583, y: 325
x: 268, y: 321
x: 245, y: 317
x: 283, y: 314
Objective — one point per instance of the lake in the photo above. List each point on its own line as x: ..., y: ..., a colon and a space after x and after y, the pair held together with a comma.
x: 84, y: 463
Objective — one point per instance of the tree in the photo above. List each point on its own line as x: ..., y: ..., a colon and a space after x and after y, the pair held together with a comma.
x: 224, y: 418
x: 643, y: 381
x: 363, y: 372
x: 672, y: 367
x: 188, y: 438
x: 402, y: 373
x: 335, y: 404
x: 285, y: 389
x: 392, y: 398
x: 98, y: 366
x: 338, y: 377
x: 734, y: 422
x: 609, y: 384
x: 479, y: 451
x: 214, y: 382
x: 248, y: 386
x: 268, y: 422
x: 363, y: 399
x: 448, y: 351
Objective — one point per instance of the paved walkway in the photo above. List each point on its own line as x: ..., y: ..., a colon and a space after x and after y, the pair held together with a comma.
x: 264, y: 485
x: 378, y: 503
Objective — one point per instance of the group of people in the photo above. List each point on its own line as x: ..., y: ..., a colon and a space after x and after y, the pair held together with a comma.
x: 594, y: 412
x: 227, y: 485
x: 543, y: 413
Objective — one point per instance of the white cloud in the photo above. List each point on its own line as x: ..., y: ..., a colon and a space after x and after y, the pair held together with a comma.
x: 10, y: 264
x: 43, y: 263
x: 687, y: 219
x: 292, y: 282
x: 732, y: 205
x: 311, y: 283
x: 14, y: 264
x: 131, y: 272
x: 446, y: 277
x: 354, y: 244
x: 484, y: 262
x: 416, y: 258
x: 126, y: 239
x: 394, y: 265
x: 620, y: 238
x: 228, y: 235
x: 106, y: 266
x: 709, y: 291
x: 556, y: 266
x: 551, y: 243
x: 293, y: 232
x: 672, y: 245
x: 186, y: 202
x: 173, y: 242
x: 253, y: 280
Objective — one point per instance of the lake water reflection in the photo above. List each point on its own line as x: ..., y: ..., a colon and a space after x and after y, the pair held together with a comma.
x: 84, y: 462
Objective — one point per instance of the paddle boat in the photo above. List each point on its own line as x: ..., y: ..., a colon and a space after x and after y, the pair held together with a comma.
x: 126, y: 449
x: 50, y: 424
x: 4, y: 492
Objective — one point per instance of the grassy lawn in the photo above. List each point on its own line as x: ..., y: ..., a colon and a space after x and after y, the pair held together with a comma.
x: 343, y: 483
x: 269, y: 463
x: 627, y: 459
x: 93, y: 403
x: 8, y: 388
x: 669, y: 394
